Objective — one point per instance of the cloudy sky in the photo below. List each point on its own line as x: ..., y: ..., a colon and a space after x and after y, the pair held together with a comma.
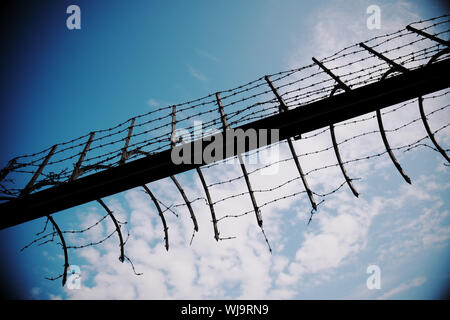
x: 60, y: 84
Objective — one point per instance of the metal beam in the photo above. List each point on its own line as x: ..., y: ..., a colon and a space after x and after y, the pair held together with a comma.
x: 304, y: 119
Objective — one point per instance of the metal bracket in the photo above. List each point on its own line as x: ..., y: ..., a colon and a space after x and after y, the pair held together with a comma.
x: 343, y: 86
x: 177, y: 184
x: 395, y: 68
x: 125, y: 154
x: 116, y: 224
x: 210, y: 203
x: 422, y: 112
x: 76, y: 171
x: 161, y: 215
x: 283, y: 107
x: 241, y: 162
x: 394, y: 65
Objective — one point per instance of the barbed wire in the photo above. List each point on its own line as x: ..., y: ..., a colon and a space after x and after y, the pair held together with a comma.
x: 151, y: 132
x: 247, y: 102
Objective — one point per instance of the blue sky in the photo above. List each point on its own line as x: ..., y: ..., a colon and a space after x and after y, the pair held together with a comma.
x: 59, y: 84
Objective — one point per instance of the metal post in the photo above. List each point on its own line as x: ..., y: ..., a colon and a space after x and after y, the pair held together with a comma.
x: 76, y: 171
x: 127, y: 142
x: 175, y: 181
x: 30, y: 184
x: 174, y: 123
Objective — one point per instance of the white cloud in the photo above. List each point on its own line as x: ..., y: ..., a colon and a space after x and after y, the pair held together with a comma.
x: 207, y: 55
x: 153, y: 102
x: 35, y: 292
x: 416, y: 282
x: 196, y: 74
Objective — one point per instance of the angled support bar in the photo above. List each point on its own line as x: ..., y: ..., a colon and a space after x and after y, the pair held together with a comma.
x: 36, y: 175
x: 346, y: 88
x: 210, y: 203
x: 393, y: 64
x: 125, y: 154
x: 161, y: 215
x: 429, y: 36
x: 116, y: 224
x: 77, y: 170
x: 283, y: 108
x: 174, y: 124
x: 331, y: 74
x: 241, y: 162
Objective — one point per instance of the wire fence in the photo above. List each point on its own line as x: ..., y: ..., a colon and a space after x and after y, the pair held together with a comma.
x: 154, y: 132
